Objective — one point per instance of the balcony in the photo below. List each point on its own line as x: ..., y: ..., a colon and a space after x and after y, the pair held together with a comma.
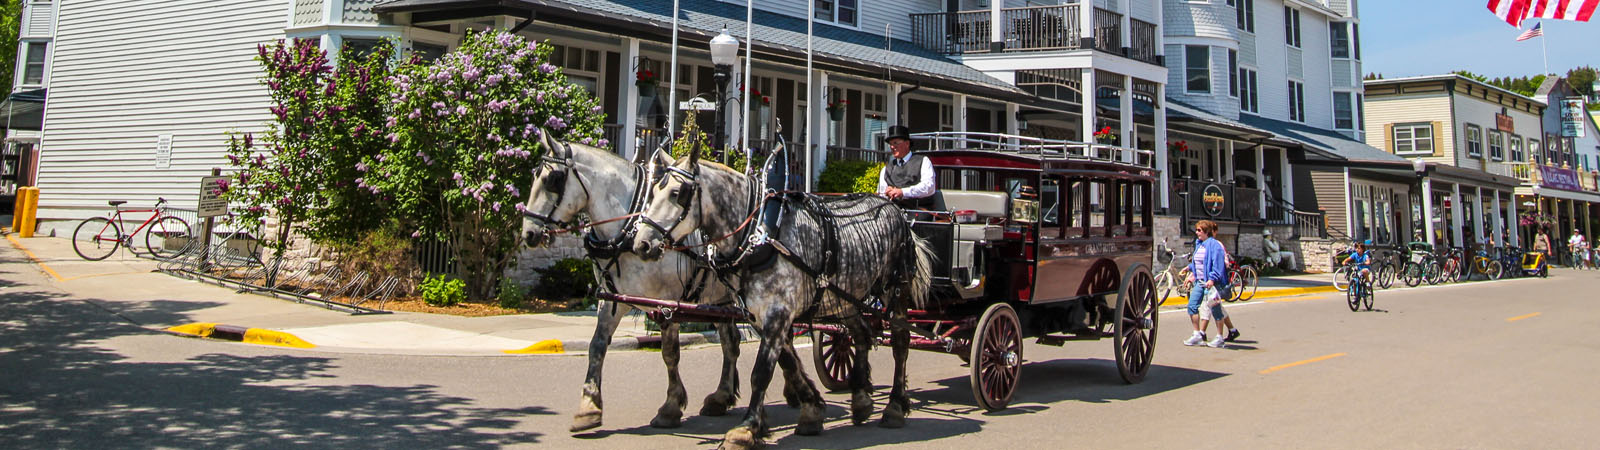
x: 1031, y: 29
x: 1556, y: 177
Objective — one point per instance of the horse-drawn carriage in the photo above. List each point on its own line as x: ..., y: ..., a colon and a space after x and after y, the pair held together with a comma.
x: 1037, y: 239
x: 1026, y: 238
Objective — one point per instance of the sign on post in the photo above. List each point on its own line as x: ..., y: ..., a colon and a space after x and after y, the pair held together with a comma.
x: 697, y: 104
x: 1572, y: 117
x: 211, y: 202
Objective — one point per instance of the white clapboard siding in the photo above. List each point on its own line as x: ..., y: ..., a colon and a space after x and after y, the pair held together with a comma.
x: 128, y: 71
x: 37, y: 22
x: 871, y: 18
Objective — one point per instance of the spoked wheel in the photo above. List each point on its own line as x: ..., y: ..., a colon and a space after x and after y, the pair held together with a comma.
x: 1164, y: 285
x: 1412, y: 274
x: 1137, y: 313
x: 1341, y: 279
x: 1451, y: 272
x: 1366, y: 295
x: 1353, y: 298
x: 1493, y: 271
x: 96, y: 238
x: 996, y: 357
x: 1386, y: 275
x: 1435, y: 273
x: 166, y: 236
x: 834, y: 356
x: 1248, y: 282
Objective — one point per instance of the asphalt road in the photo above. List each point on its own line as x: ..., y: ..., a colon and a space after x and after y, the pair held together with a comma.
x: 1482, y: 365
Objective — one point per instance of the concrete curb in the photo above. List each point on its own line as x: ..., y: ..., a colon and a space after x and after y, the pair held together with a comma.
x: 581, y: 346
x: 1283, y: 292
x: 237, y: 333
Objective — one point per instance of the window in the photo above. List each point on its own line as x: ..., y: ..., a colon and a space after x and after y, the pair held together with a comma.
x: 428, y: 52
x: 1474, y: 141
x: 1197, y: 68
x: 1413, y: 138
x: 1516, y: 148
x: 1533, y: 149
x: 1361, y: 115
x: 1343, y: 111
x: 1246, y: 15
x: 1339, y: 39
x: 842, y: 12
x: 33, y: 73
x: 360, y: 47
x: 1291, y: 26
x: 1248, y: 91
x: 1355, y: 38
x: 1497, y: 145
x: 1297, y: 101
x: 1233, y: 71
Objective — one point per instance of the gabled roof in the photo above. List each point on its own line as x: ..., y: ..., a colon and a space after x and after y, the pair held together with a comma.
x: 868, y: 54
x: 1327, y: 142
x: 1449, y: 77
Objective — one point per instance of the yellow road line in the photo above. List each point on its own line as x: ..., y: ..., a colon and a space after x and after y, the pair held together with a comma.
x: 33, y: 257
x: 1524, y: 316
x: 1301, y: 363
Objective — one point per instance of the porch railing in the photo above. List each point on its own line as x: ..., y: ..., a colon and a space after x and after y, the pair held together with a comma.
x: 1524, y: 171
x: 1143, y: 47
x: 1041, y: 27
x: 1310, y: 224
x: 952, y: 32
x: 612, y: 133
x: 838, y: 153
x: 1107, y: 31
x: 1589, y: 180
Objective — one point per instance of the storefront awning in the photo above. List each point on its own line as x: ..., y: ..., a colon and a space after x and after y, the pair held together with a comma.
x: 23, y: 110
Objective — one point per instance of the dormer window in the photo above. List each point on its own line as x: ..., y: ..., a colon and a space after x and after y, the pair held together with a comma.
x: 842, y: 12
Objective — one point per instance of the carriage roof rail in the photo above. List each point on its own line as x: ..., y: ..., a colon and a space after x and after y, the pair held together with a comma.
x: 1052, y: 149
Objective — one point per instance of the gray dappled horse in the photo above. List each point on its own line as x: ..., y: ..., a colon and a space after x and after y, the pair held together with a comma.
x: 573, y: 179
x: 860, y: 246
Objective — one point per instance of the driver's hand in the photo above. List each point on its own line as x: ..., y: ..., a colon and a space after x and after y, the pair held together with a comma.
x: 894, y: 193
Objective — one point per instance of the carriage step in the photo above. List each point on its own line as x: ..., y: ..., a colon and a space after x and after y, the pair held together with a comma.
x: 1058, y: 340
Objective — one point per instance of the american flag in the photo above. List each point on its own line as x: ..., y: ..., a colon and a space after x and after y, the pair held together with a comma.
x: 1514, y: 11
x: 1530, y: 34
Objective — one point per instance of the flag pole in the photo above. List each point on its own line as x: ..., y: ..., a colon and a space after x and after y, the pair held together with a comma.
x: 672, y: 81
x: 811, y: 86
x: 1544, y: 48
x: 745, y: 103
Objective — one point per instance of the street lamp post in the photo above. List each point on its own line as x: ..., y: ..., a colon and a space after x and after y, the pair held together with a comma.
x: 724, y: 54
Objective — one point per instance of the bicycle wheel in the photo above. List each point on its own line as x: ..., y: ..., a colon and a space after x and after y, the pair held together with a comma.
x: 166, y: 237
x: 1386, y: 275
x: 1163, y: 286
x: 1248, y: 283
x: 1451, y: 272
x: 96, y: 238
x: 1341, y: 279
x: 1366, y: 295
x: 1412, y: 274
x: 1352, y: 297
x: 1431, y: 272
x: 1493, y: 270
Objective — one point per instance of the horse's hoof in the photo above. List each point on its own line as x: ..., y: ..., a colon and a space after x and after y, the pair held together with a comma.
x: 810, y: 421
x: 741, y: 438
x: 586, y: 420
x: 666, y: 421
x: 894, y: 416
x: 860, y: 408
x: 716, y: 404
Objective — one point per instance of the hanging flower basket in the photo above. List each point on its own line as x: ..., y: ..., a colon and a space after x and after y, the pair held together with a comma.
x: 647, y: 89
x: 1105, y: 136
x: 647, y: 80
x: 836, y: 110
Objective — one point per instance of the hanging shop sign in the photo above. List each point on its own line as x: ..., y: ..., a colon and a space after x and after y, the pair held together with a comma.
x: 1572, y: 117
x: 1213, y: 200
x: 1559, y: 178
x: 1504, y: 123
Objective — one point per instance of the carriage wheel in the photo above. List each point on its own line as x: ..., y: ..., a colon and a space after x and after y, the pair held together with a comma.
x: 834, y: 356
x: 1137, y: 312
x: 996, y: 357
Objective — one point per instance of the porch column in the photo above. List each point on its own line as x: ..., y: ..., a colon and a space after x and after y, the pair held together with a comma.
x: 1455, y: 213
x: 628, y: 103
x: 1427, y: 210
x: 1086, y: 29
x: 894, y: 104
x: 1160, y: 113
x: 1125, y: 107
x: 1478, y: 230
x: 997, y: 29
x: 817, y: 124
x: 1086, y: 108
x: 1013, y: 127
x: 1261, y: 182
x: 959, y: 104
x: 1287, y: 183
x: 737, y: 109
x: 1513, y: 222
x: 1500, y: 221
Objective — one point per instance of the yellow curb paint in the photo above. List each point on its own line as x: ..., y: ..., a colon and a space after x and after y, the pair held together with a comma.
x: 1295, y: 299
x: 35, y: 259
x: 1270, y: 293
x: 1524, y: 316
x: 195, y: 329
x: 274, y: 338
x: 547, y: 346
x: 1301, y: 363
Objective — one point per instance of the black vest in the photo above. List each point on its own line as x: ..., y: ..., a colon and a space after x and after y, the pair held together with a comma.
x: 904, y: 176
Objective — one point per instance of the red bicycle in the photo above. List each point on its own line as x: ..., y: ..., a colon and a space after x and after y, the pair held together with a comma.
x: 98, y: 237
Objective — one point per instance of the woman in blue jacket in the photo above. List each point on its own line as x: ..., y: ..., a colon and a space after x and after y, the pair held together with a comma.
x: 1208, y: 269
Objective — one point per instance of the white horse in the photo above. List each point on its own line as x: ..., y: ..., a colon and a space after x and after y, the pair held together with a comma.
x: 829, y: 254
x: 574, y: 179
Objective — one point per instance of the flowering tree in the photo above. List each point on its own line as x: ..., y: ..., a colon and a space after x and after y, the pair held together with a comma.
x: 466, y: 133
x: 324, y: 124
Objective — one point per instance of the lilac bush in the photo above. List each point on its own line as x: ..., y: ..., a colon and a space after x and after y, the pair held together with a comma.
x: 465, y: 134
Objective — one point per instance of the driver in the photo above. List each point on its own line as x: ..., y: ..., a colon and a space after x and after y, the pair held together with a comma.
x: 907, y: 179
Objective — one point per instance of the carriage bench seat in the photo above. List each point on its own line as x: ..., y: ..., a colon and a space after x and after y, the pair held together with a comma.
x: 985, y: 203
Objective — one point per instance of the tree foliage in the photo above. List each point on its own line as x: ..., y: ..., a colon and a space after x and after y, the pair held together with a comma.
x: 466, y: 132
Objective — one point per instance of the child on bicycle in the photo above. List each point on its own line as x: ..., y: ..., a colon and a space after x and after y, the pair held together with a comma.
x: 1362, y: 258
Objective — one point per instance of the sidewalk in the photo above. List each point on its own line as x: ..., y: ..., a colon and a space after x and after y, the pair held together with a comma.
x: 130, y: 286
x: 1271, y: 287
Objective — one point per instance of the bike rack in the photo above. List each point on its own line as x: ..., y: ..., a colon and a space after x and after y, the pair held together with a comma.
x: 223, y: 265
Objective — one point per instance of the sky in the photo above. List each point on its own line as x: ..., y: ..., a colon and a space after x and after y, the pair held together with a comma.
x: 1430, y: 37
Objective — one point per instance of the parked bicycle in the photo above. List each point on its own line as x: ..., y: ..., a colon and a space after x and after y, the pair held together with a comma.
x: 1420, y: 265
x: 1449, y: 267
x: 96, y: 238
x: 1243, y: 280
x: 1173, y: 277
x: 1510, y: 262
x: 1482, y: 264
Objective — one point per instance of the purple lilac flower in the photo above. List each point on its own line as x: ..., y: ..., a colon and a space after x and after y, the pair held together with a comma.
x: 416, y: 234
x: 547, y: 68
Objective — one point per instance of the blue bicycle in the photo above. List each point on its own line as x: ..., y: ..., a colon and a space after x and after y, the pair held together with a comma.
x: 1360, y: 292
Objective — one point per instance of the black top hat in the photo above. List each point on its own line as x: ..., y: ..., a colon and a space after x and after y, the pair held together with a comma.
x: 897, y: 132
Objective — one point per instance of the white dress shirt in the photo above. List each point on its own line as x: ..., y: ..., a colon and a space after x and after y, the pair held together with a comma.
x: 923, y: 188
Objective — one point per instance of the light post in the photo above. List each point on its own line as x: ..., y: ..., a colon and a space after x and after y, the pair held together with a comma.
x: 724, y: 54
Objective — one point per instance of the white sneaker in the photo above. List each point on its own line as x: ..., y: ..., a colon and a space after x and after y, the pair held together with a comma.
x: 1219, y: 342
x: 1195, y: 339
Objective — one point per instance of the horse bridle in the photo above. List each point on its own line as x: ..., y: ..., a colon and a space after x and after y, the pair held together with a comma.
x: 684, y: 198
x: 556, y: 182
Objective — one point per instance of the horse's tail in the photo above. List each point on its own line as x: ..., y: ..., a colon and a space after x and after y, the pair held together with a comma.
x: 922, y: 271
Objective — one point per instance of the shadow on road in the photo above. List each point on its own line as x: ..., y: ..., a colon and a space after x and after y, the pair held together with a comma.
x: 1051, y: 382
x: 60, y: 388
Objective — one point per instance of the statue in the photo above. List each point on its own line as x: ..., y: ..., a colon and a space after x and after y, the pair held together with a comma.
x: 1275, y: 253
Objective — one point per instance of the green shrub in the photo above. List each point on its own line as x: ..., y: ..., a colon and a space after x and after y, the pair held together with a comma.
x: 850, y: 176
x: 567, y: 278
x: 381, y: 253
x: 441, y: 291
x: 510, y: 294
